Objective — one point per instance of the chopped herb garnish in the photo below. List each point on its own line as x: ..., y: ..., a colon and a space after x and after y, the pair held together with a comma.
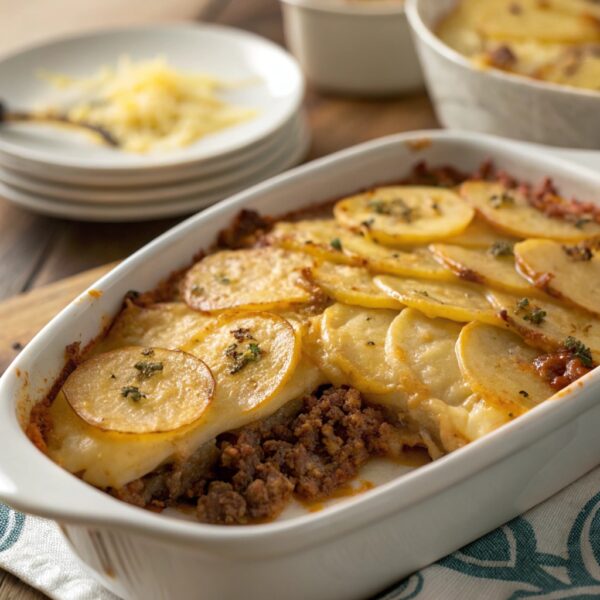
x: 197, y: 290
x: 240, y: 359
x: 580, y: 252
x: 500, y: 200
x: 147, y: 352
x: 336, y: 244
x: 147, y: 369
x: 367, y: 224
x: 225, y: 280
x: 132, y: 393
x: 370, y: 343
x: 379, y: 207
x: 524, y: 393
x: 533, y: 314
x: 423, y: 293
x: 579, y: 350
x: 582, y: 221
x: 394, y: 208
x: 498, y: 249
x: 536, y: 316
x: 436, y: 207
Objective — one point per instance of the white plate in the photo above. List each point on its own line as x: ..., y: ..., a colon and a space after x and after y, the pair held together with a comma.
x: 156, y: 193
x: 358, y: 547
x: 290, y: 155
x: 275, y: 89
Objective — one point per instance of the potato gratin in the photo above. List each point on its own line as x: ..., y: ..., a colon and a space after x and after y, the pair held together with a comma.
x: 552, y: 40
x: 413, y: 316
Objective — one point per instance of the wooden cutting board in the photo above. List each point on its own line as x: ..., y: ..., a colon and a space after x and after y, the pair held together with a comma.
x: 24, y: 315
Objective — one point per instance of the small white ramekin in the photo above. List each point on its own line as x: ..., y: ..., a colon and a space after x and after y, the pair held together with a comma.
x: 357, y: 47
x: 492, y: 101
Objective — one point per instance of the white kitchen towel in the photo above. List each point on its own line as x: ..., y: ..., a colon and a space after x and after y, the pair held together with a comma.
x: 551, y: 552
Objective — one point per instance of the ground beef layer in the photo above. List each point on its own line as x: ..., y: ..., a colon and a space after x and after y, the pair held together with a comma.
x: 251, y: 474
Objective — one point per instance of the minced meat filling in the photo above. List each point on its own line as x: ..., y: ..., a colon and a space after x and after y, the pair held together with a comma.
x: 256, y: 470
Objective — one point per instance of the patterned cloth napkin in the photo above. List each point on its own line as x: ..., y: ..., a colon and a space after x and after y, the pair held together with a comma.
x: 551, y: 552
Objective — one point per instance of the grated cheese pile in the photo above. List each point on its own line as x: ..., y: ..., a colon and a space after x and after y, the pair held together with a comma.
x: 150, y: 106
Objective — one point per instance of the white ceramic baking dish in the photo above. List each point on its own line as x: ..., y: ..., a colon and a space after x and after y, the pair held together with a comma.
x: 492, y: 101
x: 358, y: 47
x: 345, y: 552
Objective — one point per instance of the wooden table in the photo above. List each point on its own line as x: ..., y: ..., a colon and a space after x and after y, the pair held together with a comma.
x: 36, y: 251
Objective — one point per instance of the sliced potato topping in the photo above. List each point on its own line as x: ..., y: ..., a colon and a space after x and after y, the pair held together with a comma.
x: 493, y: 266
x: 355, y: 340
x: 404, y: 214
x: 569, y: 272
x: 251, y: 355
x: 546, y: 324
x: 455, y: 301
x: 499, y: 367
x: 140, y: 390
x: 329, y: 241
x: 352, y: 285
x: 509, y: 211
x: 163, y: 325
x: 253, y: 279
x: 480, y: 234
x: 445, y: 402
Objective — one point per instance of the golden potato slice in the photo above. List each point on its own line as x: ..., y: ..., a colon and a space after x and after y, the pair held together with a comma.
x: 355, y: 341
x: 140, y: 390
x: 576, y: 66
x: 253, y: 279
x: 460, y: 302
x: 446, y: 405
x: 569, y: 272
x: 480, y: 234
x: 251, y: 355
x: 352, y: 285
x: 499, y: 367
x: 494, y: 266
x: 329, y: 241
x: 427, y: 347
x: 404, y: 214
x: 509, y: 211
x: 162, y: 325
x: 499, y: 20
x: 546, y: 324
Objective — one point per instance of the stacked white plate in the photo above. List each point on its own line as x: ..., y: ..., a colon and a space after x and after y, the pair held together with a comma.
x: 61, y: 172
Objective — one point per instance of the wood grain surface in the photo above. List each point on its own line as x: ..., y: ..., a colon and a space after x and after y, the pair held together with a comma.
x: 37, y: 253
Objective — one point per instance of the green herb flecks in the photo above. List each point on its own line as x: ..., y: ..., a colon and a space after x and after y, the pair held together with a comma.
x: 393, y: 208
x: 533, y: 314
x: 239, y: 358
x: 146, y: 368
x: 579, y: 252
x: 336, y: 244
x: 499, y: 249
x: 501, y: 200
x: 132, y: 392
x: 579, y: 350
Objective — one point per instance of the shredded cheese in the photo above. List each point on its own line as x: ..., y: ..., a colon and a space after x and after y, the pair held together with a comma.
x: 149, y: 105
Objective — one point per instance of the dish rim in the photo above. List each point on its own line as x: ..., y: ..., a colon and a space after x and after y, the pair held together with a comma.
x: 428, y: 37
x: 344, y: 7
x: 160, y: 162
x: 410, y: 488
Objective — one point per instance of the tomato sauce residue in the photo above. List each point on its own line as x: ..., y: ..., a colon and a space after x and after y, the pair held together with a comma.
x: 345, y: 491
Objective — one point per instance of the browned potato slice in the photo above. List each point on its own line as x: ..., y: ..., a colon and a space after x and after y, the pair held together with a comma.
x: 251, y: 355
x: 569, y: 272
x: 494, y: 266
x: 329, y: 241
x: 480, y: 234
x: 546, y: 324
x: 499, y: 367
x: 163, y: 325
x: 352, y: 285
x: 460, y: 302
x: 254, y: 279
x: 140, y: 390
x: 405, y: 215
x: 510, y: 212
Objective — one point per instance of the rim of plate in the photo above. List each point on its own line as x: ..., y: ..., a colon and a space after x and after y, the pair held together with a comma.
x: 356, y: 8
x: 195, y: 153
x: 138, y: 212
x: 159, y: 192
x: 177, y: 174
